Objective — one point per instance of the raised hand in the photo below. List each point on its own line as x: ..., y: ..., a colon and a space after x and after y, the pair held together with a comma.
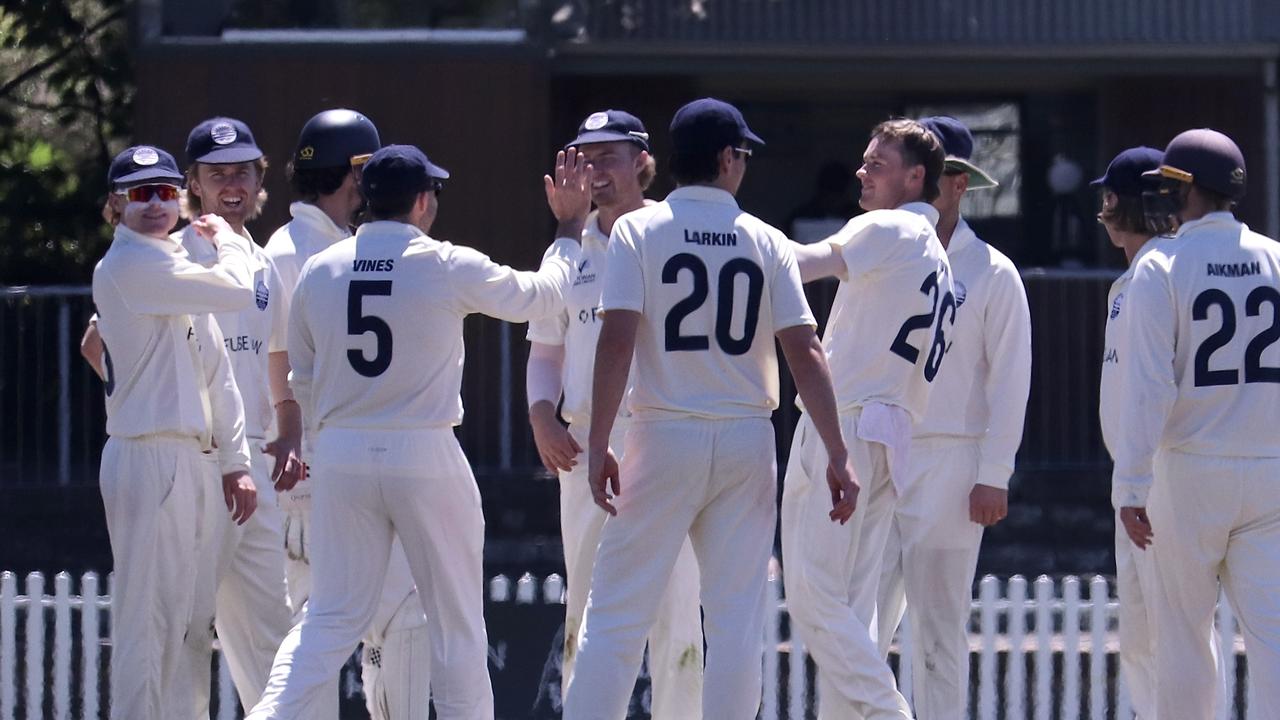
x: 569, y: 192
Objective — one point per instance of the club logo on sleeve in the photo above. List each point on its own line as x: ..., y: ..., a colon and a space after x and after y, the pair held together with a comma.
x: 1115, y: 307
x: 596, y: 121
x: 261, y: 295
x: 223, y: 133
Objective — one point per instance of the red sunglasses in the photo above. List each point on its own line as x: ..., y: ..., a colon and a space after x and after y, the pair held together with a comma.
x: 144, y: 193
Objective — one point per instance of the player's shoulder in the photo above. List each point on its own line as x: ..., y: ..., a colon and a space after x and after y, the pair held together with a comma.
x: 281, y: 244
x: 642, y: 217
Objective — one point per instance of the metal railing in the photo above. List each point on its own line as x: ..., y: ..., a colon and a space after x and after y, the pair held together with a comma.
x: 1015, y: 637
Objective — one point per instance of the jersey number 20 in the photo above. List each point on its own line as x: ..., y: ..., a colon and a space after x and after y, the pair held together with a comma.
x: 1254, y: 371
x: 724, y: 303
x: 358, y: 324
x: 941, y: 306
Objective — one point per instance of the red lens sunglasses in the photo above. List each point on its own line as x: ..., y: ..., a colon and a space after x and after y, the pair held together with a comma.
x: 144, y: 193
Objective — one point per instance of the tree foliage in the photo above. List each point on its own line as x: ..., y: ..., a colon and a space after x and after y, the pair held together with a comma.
x: 66, y: 88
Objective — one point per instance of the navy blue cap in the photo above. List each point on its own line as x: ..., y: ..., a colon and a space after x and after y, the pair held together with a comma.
x: 141, y: 163
x: 221, y: 141
x: 611, y: 126
x: 957, y: 144
x: 709, y: 124
x: 1124, y: 174
x: 398, y: 170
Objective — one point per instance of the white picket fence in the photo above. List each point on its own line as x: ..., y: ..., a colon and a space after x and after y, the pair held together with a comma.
x: 1024, y: 630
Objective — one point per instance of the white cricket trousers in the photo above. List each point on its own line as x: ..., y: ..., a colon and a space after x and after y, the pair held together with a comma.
x: 712, y: 481
x: 372, y: 486
x: 832, y: 571
x: 1135, y: 590
x: 150, y: 491
x: 1215, y: 520
x: 929, y: 561
x: 675, y: 642
x: 240, y: 589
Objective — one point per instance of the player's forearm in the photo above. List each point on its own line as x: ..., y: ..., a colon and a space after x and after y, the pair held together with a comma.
x: 612, y: 366
x: 278, y: 377
x: 818, y: 260
x: 542, y: 374
x: 812, y: 377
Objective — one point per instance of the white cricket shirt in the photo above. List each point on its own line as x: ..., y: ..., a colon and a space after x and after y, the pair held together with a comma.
x: 249, y: 335
x: 893, y: 313
x: 1202, y: 318
x: 981, y: 390
x: 152, y: 303
x: 293, y: 244
x: 713, y: 284
x: 1115, y: 348
x: 375, y: 331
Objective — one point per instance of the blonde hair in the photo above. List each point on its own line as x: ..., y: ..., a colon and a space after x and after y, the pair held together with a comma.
x: 191, y: 207
x: 647, y: 173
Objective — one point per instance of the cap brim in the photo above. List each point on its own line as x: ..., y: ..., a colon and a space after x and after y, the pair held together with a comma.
x: 748, y: 135
x: 606, y: 136
x: 139, y: 176
x: 436, y: 171
x: 1098, y: 182
x: 230, y: 155
x: 978, y: 178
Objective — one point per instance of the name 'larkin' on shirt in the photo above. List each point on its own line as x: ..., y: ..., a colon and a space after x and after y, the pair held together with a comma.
x: 710, y: 238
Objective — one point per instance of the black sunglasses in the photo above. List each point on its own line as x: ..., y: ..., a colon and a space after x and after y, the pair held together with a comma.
x: 436, y: 186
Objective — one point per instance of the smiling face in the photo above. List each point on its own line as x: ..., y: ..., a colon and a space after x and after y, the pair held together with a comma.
x: 887, y: 180
x: 617, y: 170
x: 228, y: 190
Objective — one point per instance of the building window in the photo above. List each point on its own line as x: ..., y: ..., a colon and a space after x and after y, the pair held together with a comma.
x: 997, y: 141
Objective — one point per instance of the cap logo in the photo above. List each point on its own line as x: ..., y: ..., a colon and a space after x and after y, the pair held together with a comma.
x: 596, y: 121
x: 306, y: 153
x: 223, y: 133
x: 1237, y: 175
x: 145, y: 156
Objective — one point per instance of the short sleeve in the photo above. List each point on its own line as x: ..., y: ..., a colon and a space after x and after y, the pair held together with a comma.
x: 624, y: 272
x: 865, y: 242
x: 789, y: 305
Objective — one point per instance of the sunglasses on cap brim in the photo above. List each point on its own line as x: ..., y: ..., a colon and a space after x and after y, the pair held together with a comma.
x: 143, y: 193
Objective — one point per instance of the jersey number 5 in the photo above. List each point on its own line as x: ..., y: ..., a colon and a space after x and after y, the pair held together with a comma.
x: 1254, y: 371
x: 358, y: 324
x: 724, y: 303
x: 939, y: 311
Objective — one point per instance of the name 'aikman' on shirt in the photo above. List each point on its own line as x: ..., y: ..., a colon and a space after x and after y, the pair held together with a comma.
x: 710, y: 238
x: 1244, y: 269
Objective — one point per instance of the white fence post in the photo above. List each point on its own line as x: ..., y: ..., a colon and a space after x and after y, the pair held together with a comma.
x: 797, y: 680
x: 1226, y: 628
x: 1100, y: 597
x: 61, y: 646
x: 35, y: 645
x: 228, y: 700
x: 1071, y: 648
x: 1015, y: 690
x: 553, y: 590
x: 89, y: 643
x: 526, y: 589
x: 906, y: 658
x: 1044, y: 648
x: 8, y: 644
x: 987, y: 590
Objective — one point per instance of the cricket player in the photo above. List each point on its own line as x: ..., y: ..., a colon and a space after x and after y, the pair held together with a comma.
x: 375, y: 344
x: 698, y: 289
x: 240, y: 589
x: 1197, y: 455
x: 962, y: 451
x: 324, y: 174
x: 891, y: 322
x: 175, y: 422
x: 1121, y: 190
x: 561, y: 355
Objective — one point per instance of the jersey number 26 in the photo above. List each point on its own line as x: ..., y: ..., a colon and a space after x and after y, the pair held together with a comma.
x: 939, y: 312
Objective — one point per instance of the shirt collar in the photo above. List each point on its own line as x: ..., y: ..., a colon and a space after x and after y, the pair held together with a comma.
x: 319, y: 223
x: 703, y: 193
x: 389, y: 229
x: 962, y: 237
x: 929, y: 212
x: 592, y: 231
x: 1220, y: 217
